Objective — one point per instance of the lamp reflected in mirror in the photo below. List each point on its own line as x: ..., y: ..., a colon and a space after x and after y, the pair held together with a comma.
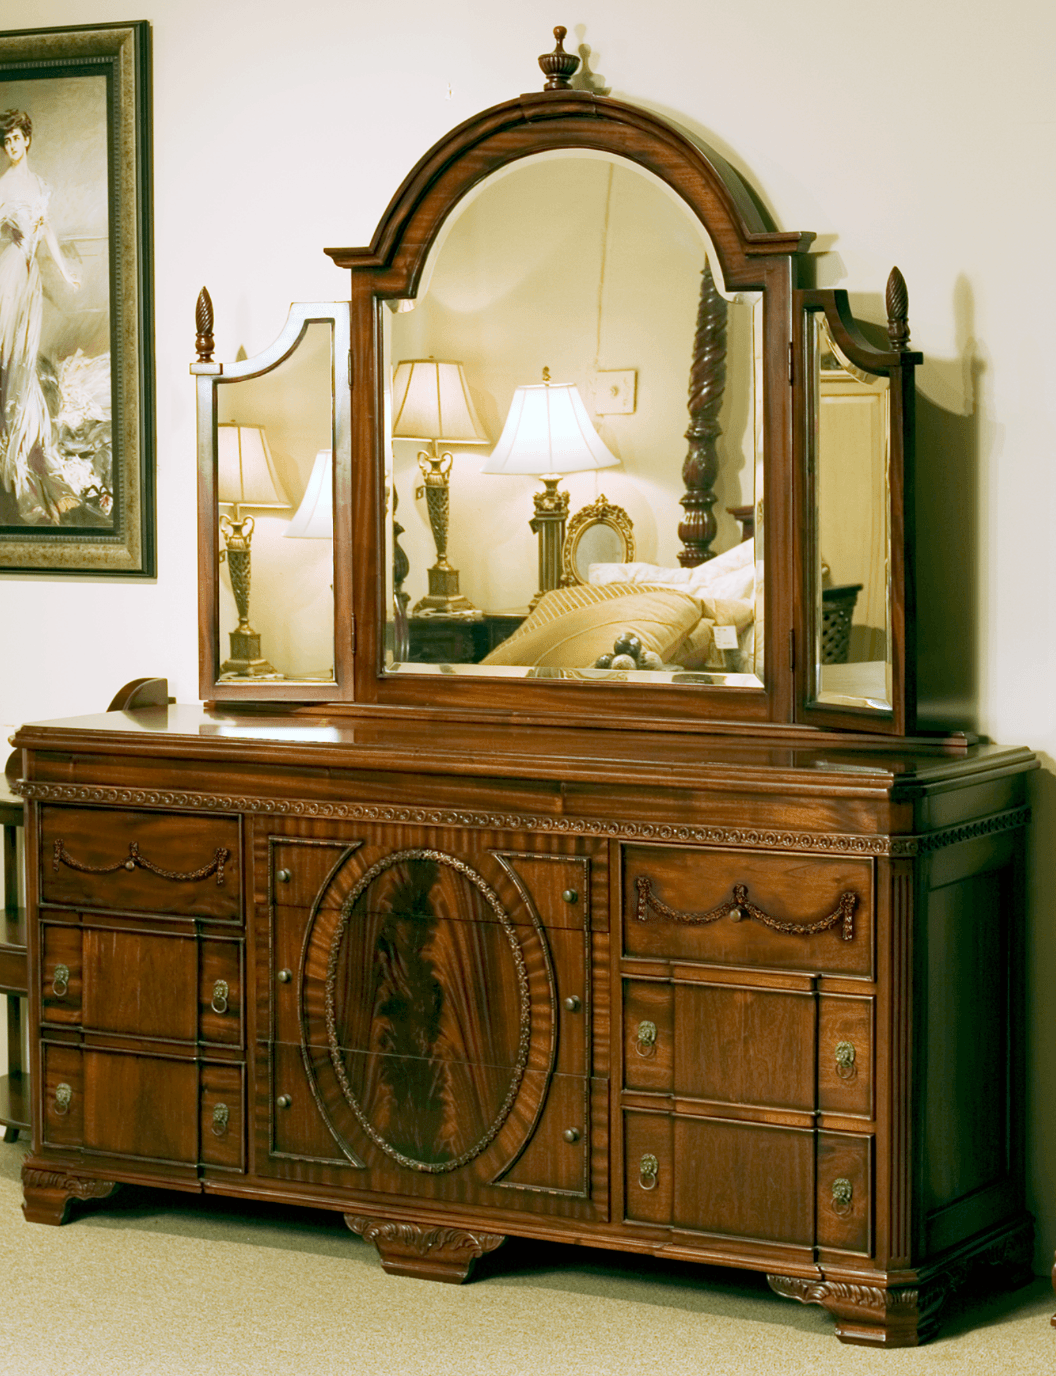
x: 548, y: 434
x: 314, y: 518
x: 245, y: 477
x: 431, y: 402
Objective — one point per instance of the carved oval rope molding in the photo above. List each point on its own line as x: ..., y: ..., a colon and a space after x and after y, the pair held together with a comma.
x: 738, y: 908
x: 422, y: 930
x: 62, y: 856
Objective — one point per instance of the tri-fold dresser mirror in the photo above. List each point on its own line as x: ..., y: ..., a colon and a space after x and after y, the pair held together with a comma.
x: 568, y: 302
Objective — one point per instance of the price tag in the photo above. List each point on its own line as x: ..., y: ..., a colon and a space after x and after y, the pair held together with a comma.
x: 725, y: 637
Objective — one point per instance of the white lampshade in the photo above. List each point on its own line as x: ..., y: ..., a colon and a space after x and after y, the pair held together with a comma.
x: 548, y: 431
x: 246, y: 475
x: 314, y: 518
x: 431, y: 401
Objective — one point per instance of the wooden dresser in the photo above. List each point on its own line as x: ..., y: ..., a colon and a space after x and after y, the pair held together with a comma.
x: 743, y: 1003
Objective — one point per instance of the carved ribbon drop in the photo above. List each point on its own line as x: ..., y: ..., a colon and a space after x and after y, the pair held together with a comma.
x: 62, y: 856
x: 738, y: 908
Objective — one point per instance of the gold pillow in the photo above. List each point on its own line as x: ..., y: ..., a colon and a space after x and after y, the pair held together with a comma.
x: 571, y: 627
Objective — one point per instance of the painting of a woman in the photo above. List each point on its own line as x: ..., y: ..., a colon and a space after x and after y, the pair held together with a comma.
x: 32, y: 466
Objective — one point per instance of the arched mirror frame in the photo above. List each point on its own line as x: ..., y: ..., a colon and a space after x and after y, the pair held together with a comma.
x: 897, y: 363
x: 210, y: 379
x: 752, y: 257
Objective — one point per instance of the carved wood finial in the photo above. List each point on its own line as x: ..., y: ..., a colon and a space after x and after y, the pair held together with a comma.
x: 707, y: 382
x: 559, y: 66
x: 203, y: 323
x: 897, y: 310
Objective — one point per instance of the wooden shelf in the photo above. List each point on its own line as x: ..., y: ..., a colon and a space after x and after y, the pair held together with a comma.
x: 13, y: 929
x: 14, y: 969
x: 14, y: 1101
x: 12, y: 808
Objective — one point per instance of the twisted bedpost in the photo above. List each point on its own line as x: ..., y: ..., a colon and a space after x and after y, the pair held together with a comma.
x: 707, y: 382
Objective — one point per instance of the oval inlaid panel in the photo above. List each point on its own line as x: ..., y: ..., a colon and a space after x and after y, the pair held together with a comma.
x: 427, y: 1009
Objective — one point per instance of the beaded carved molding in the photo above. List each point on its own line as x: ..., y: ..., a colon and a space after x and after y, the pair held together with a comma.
x: 821, y: 843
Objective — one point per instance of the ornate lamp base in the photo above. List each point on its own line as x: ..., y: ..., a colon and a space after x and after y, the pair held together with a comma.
x: 551, y: 513
x: 246, y: 660
x: 444, y: 596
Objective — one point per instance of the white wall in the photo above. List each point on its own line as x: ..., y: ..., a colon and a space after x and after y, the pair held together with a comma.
x: 912, y: 133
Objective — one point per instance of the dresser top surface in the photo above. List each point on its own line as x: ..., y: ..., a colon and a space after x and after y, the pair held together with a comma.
x: 406, y: 743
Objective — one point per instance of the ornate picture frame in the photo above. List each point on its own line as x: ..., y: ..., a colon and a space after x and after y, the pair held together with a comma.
x: 77, y: 422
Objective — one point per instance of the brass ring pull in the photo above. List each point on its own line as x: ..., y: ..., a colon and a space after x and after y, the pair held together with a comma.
x: 845, y: 1058
x: 63, y: 1099
x: 645, y: 1045
x: 842, y: 1191
x: 219, y: 999
x: 60, y: 980
x: 221, y: 1115
x: 648, y: 1170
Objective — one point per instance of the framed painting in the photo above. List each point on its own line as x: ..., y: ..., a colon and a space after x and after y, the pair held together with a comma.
x: 76, y: 310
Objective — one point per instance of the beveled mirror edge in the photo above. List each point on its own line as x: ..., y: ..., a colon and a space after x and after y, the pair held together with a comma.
x: 898, y: 364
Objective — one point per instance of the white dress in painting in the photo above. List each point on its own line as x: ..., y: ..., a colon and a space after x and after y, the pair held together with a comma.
x: 30, y: 461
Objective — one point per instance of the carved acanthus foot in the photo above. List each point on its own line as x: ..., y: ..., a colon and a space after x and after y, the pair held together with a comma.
x: 47, y: 1194
x: 869, y: 1315
x: 410, y: 1249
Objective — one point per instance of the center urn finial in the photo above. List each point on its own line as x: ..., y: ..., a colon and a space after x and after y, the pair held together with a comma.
x: 559, y: 66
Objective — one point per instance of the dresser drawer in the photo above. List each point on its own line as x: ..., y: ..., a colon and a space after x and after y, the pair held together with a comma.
x: 135, y: 983
x: 732, y: 1179
x: 155, y: 1108
x: 744, y: 908
x: 721, y: 1043
x: 141, y: 861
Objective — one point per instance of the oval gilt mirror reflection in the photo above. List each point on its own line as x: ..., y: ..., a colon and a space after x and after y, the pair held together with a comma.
x: 559, y: 326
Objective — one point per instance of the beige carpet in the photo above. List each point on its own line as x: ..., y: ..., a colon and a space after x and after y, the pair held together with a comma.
x: 151, y: 1282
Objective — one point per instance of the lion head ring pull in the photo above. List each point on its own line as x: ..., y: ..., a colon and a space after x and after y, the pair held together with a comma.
x: 645, y: 1044
x: 220, y: 996
x: 845, y: 1058
x: 63, y: 1099
x: 60, y: 981
x: 221, y: 1117
x: 648, y: 1170
x: 842, y: 1192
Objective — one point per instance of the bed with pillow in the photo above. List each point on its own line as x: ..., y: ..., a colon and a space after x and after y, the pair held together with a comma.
x: 672, y: 611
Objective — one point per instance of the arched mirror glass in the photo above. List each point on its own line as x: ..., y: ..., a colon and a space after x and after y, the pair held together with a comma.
x: 570, y: 306
x: 853, y: 650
